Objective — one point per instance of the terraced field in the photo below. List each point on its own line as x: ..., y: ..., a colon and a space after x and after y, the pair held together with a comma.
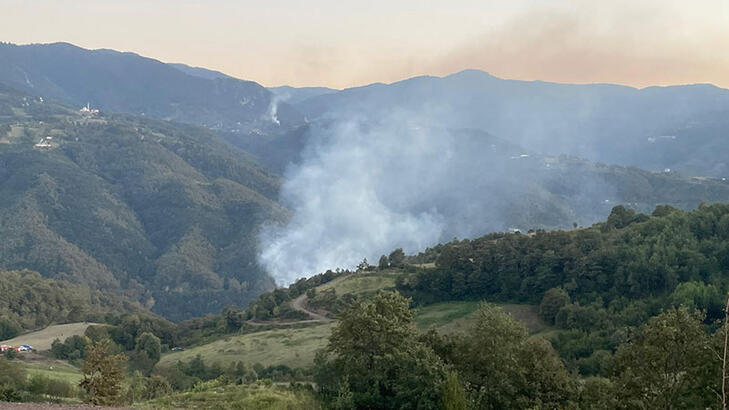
x: 449, y: 317
x: 362, y: 284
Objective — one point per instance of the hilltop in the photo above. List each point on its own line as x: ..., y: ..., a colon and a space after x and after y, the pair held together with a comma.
x: 132, y: 84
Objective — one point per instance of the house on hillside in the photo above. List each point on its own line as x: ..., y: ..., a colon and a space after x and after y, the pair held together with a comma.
x: 87, y: 110
x: 44, y: 143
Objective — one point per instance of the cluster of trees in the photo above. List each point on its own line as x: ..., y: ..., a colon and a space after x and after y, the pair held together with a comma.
x: 395, y: 260
x: 376, y: 359
x: 184, y: 375
x: 28, y: 301
x: 631, y: 255
x: 329, y: 300
x: 141, y: 338
x: 593, y: 284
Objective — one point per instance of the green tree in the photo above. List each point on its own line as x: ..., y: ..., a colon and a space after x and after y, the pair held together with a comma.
x: 504, y: 368
x: 8, y: 329
x: 147, y: 353
x: 384, y: 263
x: 698, y: 295
x: 376, y: 353
x: 103, y: 374
x: 668, y: 364
x: 597, y: 393
x: 397, y: 258
x: 554, y: 299
x: 234, y: 318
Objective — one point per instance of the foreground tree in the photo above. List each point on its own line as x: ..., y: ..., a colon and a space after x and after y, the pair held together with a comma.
x: 668, y: 364
x: 502, y: 367
x: 374, y: 359
x: 103, y: 374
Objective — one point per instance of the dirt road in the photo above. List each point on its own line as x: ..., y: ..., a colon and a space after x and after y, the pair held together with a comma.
x: 299, y: 303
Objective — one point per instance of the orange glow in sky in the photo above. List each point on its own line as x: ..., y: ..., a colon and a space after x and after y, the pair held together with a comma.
x: 346, y: 43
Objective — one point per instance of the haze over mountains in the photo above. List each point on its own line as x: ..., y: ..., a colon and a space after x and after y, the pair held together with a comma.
x: 679, y: 127
x: 170, y: 214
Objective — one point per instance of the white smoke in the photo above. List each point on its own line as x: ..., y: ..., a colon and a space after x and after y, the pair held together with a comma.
x: 349, y: 199
x: 364, y: 189
x: 272, y: 112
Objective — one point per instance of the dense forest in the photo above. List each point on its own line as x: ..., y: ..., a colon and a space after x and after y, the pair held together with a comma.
x: 630, y: 256
x: 29, y: 302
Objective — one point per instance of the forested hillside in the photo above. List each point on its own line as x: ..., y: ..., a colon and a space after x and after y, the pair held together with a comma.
x: 161, y: 212
x: 28, y: 301
x: 630, y: 256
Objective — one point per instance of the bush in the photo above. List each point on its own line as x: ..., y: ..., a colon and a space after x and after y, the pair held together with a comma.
x: 8, y: 329
x: 42, y: 385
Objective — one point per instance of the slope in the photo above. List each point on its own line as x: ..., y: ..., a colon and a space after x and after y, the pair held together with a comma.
x: 129, y: 83
x: 677, y: 127
x: 164, y: 213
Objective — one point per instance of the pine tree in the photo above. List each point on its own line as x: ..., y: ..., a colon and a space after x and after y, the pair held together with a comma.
x: 103, y: 374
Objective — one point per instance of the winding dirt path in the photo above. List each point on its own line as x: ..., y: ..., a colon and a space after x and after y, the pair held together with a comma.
x: 299, y: 303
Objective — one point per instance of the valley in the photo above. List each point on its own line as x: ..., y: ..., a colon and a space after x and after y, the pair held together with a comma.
x: 174, y: 236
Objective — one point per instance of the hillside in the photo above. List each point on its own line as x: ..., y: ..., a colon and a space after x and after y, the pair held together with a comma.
x: 29, y: 302
x: 41, y: 340
x: 366, y: 187
x: 129, y: 83
x: 677, y: 127
x: 163, y: 213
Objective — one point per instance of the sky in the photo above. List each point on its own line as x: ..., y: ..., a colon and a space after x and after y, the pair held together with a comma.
x: 341, y: 43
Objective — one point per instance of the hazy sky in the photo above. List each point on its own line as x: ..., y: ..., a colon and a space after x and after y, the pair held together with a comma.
x: 342, y: 43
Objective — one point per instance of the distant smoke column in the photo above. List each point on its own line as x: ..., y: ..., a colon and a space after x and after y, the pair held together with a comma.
x: 272, y: 113
x: 352, y: 197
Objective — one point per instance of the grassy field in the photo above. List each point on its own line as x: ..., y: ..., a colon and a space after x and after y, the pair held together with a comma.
x: 42, y: 339
x: 53, y: 369
x: 443, y: 315
x: 292, y: 347
x: 212, y: 395
x: 296, y: 347
x: 449, y: 317
x: 362, y: 284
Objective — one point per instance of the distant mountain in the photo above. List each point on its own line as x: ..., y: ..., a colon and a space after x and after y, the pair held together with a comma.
x: 128, y: 83
x: 683, y: 128
x: 166, y: 214
x: 199, y: 71
x: 295, y: 95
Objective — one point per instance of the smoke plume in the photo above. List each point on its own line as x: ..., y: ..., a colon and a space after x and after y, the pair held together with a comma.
x: 364, y: 188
